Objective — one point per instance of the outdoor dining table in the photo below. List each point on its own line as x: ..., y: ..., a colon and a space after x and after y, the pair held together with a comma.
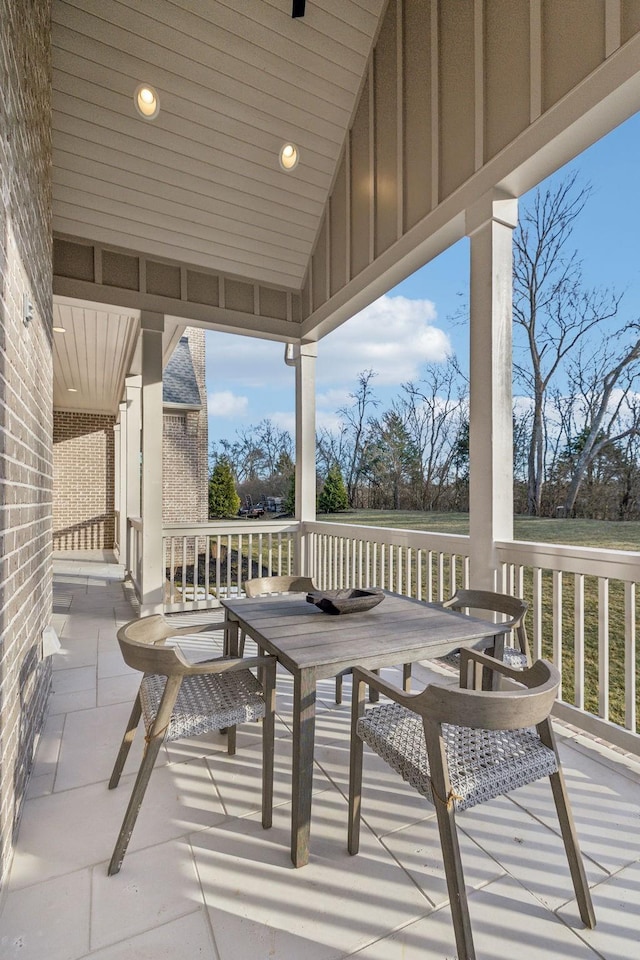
x: 313, y: 645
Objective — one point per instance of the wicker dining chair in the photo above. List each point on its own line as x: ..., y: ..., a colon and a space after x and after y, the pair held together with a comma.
x: 461, y: 746
x: 511, y: 612
x: 179, y: 698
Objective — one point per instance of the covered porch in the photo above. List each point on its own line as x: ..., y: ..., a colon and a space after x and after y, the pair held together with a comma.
x: 419, y: 122
x: 202, y: 878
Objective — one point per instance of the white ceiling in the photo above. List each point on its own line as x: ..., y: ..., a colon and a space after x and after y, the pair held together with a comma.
x: 91, y: 357
x: 94, y: 348
x: 236, y: 79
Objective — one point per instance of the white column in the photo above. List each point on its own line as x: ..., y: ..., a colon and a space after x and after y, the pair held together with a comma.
x: 133, y: 403
x: 305, y: 445
x: 490, y: 225
x: 117, y: 501
x: 120, y: 480
x: 152, y: 567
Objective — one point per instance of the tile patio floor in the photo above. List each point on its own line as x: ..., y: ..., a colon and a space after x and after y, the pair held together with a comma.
x: 202, y: 879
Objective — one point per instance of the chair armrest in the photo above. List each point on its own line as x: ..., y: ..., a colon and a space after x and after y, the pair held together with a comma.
x: 227, y: 664
x: 213, y: 627
x: 468, y: 655
x: 373, y: 680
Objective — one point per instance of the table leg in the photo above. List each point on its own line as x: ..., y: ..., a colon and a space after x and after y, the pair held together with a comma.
x: 304, y: 721
x: 231, y: 650
x: 231, y: 640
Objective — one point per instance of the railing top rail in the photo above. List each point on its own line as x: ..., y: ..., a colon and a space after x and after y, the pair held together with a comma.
x: 591, y: 561
x: 214, y: 527
x: 418, y: 539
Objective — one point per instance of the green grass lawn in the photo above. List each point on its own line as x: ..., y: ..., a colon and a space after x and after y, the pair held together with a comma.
x: 617, y: 535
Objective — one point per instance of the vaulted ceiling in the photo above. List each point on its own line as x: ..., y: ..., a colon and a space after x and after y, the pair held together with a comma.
x: 406, y: 127
x: 202, y: 183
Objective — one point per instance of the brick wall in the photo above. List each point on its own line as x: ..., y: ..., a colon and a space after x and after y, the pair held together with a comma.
x: 83, y: 482
x: 83, y: 458
x: 25, y: 395
x: 184, y: 450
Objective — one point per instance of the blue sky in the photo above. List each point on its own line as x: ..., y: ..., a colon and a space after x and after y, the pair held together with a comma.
x: 248, y: 381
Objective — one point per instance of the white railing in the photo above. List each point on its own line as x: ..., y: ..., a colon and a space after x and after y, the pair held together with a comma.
x: 584, y: 618
x: 205, y: 562
x: 582, y: 600
x: 428, y: 566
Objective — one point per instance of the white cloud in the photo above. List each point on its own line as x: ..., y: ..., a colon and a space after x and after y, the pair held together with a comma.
x: 394, y: 337
x: 283, y: 419
x: 333, y: 399
x: 227, y: 404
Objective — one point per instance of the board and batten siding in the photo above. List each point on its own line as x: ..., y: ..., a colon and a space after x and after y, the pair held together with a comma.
x: 451, y: 90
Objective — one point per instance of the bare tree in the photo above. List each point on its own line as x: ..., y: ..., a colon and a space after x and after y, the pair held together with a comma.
x: 604, y: 380
x: 435, y: 412
x: 352, y: 446
x: 257, y: 452
x: 551, y: 305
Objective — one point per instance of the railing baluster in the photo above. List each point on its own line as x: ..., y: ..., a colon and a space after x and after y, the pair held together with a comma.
x: 630, y: 655
x: 557, y: 624
x: 440, y: 576
x: 184, y: 568
x: 195, y: 568
x: 218, y: 562
x: 537, y: 613
x: 578, y: 618
x: 603, y: 647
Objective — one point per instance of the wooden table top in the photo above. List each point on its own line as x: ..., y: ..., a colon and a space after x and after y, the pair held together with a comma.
x: 398, y: 630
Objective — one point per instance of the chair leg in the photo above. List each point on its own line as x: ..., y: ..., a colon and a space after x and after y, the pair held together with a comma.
x: 406, y: 677
x: 445, y: 814
x: 268, y: 737
x: 455, y: 880
x: 571, y: 846
x: 339, y: 689
x: 355, y: 769
x: 127, y: 740
x: 226, y: 644
x: 135, y: 803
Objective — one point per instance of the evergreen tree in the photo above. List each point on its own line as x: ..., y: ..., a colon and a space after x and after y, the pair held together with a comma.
x: 290, y: 502
x: 333, y: 497
x: 223, y: 498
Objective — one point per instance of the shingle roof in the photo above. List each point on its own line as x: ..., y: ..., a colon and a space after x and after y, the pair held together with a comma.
x: 179, y: 383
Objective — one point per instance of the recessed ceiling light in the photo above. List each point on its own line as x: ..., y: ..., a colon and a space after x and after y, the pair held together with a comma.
x: 59, y: 330
x: 147, y: 101
x: 289, y: 156
x: 72, y: 389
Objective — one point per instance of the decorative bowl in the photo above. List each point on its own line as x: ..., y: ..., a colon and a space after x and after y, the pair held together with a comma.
x: 345, y: 601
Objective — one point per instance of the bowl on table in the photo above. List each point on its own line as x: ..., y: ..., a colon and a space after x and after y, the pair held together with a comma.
x: 346, y: 600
